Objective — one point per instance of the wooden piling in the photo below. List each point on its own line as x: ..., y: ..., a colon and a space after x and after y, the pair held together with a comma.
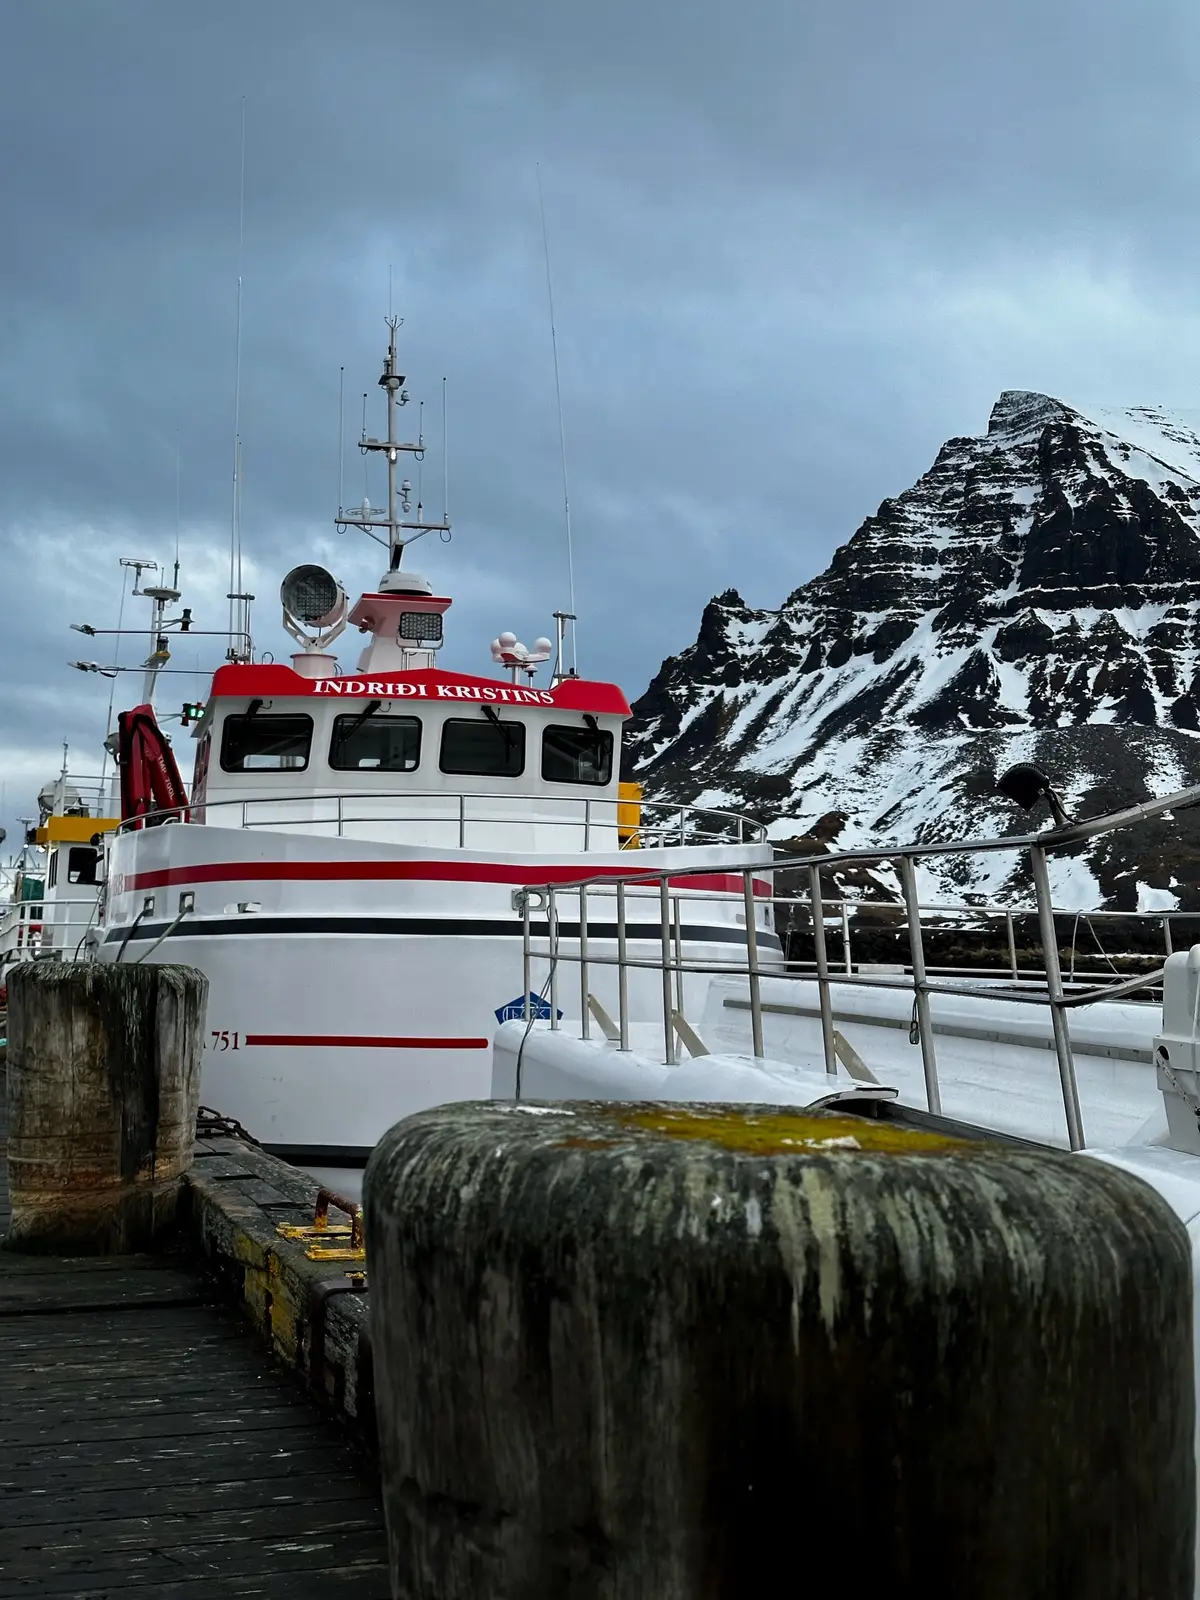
x: 103, y: 1089
x: 682, y: 1352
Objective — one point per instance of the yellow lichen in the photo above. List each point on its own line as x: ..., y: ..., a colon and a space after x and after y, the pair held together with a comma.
x: 787, y: 1133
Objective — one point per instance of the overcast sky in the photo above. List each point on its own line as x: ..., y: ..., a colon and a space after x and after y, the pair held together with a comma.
x: 794, y: 246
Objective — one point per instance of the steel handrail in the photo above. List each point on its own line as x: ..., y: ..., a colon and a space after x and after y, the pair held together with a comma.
x: 1050, y: 839
x: 904, y: 857
x: 457, y: 799
x: 33, y: 924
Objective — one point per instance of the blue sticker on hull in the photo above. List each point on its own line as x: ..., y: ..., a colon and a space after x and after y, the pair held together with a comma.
x: 514, y: 1011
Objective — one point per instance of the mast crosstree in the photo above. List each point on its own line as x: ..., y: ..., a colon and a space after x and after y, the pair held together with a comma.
x: 395, y: 517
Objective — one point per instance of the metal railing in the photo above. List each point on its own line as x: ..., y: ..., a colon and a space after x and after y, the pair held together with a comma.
x: 669, y: 823
x: 30, y: 929
x: 670, y: 961
x: 86, y: 794
x: 887, y: 915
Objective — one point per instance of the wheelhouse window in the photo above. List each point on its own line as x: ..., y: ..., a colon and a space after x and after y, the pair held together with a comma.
x: 81, y: 863
x: 577, y: 755
x: 485, y: 747
x: 81, y: 860
x: 378, y: 744
x: 266, y: 743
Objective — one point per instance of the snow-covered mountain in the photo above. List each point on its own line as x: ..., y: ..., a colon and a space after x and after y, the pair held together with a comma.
x: 1034, y: 597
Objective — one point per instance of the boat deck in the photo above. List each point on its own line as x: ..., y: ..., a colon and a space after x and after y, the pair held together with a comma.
x: 148, y: 1444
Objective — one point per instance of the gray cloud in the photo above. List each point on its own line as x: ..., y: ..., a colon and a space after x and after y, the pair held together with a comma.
x: 794, y: 248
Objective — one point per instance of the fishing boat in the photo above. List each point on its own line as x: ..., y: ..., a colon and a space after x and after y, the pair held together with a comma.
x: 350, y: 865
x: 409, y: 885
x: 53, y: 885
x: 53, y: 882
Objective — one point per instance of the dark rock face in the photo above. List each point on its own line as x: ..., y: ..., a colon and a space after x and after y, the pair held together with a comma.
x: 1035, y: 596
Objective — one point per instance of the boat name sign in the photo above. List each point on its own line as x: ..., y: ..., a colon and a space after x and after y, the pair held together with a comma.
x: 383, y: 689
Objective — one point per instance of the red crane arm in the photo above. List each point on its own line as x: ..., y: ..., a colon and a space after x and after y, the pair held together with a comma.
x: 150, y: 780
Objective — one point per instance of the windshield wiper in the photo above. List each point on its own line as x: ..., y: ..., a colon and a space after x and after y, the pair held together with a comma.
x: 359, y: 720
x: 506, y: 727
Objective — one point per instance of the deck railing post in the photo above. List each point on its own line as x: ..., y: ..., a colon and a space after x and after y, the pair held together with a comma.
x: 664, y: 902
x: 678, y: 924
x: 1054, y: 989
x: 584, y: 975
x: 527, y: 957
x: 756, y: 1021
x: 846, y: 961
x: 816, y: 907
x: 1012, y: 945
x: 622, y: 969
x: 1167, y: 936
x: 552, y: 915
x: 908, y: 879
x: 462, y: 822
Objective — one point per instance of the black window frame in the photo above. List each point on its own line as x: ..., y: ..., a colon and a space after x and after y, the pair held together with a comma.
x: 265, y: 717
x: 599, y: 734
x: 90, y: 851
x: 497, y: 724
x: 371, y: 722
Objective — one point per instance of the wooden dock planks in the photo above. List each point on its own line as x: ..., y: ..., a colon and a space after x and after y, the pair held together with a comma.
x: 149, y: 1448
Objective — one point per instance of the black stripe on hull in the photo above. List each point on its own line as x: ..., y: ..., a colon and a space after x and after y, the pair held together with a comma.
x: 431, y: 927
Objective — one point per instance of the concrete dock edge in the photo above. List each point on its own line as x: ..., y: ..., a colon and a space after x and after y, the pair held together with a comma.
x: 313, y: 1314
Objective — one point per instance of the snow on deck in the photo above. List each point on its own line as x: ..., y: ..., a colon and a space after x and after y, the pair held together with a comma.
x: 1008, y: 1082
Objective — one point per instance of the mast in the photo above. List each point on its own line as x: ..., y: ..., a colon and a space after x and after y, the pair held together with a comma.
x: 161, y: 596
x: 395, y: 518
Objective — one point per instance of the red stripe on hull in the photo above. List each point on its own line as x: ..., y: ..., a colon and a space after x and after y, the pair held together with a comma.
x: 409, y: 871
x: 330, y: 1041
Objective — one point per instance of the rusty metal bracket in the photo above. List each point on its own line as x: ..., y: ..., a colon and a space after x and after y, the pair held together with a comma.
x: 322, y: 1229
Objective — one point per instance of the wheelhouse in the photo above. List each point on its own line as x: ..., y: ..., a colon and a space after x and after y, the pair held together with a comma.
x: 416, y: 757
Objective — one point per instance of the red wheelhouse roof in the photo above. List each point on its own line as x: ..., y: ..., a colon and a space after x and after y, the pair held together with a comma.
x: 275, y: 681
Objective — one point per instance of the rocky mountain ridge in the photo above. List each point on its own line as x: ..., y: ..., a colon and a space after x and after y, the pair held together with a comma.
x: 1035, y: 596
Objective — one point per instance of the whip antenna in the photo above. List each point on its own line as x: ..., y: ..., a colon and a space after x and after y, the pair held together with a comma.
x: 341, y: 437
x: 234, y: 530
x: 178, y: 473
x: 240, y: 648
x: 562, y: 436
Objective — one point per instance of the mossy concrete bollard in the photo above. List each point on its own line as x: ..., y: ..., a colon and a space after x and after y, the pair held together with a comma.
x: 632, y: 1352
x: 103, y: 1090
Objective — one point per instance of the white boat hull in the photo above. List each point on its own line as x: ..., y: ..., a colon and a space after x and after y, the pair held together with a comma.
x: 352, y: 984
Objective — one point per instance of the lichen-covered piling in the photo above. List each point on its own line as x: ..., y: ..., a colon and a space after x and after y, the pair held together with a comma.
x: 103, y: 1090
x: 678, y: 1352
